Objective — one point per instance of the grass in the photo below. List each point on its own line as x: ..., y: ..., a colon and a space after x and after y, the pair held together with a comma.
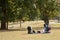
x: 22, y: 35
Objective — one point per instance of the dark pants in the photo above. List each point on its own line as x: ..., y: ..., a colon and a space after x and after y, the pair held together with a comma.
x: 29, y: 31
x: 47, y: 29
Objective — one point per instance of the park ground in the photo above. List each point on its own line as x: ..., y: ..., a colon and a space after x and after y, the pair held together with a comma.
x: 21, y: 34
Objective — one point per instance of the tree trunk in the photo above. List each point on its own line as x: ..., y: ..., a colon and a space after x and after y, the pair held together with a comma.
x: 46, y: 18
x: 46, y: 22
x: 3, y: 25
x: 7, y: 25
x: 3, y: 20
x: 20, y: 24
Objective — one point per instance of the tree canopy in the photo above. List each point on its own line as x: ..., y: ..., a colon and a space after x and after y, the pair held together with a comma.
x: 11, y: 10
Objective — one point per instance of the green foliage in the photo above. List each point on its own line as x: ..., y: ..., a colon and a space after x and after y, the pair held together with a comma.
x: 47, y: 8
x: 21, y: 9
x: 11, y: 10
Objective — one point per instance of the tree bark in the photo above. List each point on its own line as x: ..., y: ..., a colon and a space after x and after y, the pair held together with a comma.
x: 46, y: 21
x: 7, y: 25
x: 3, y: 20
x: 3, y: 25
x: 20, y: 23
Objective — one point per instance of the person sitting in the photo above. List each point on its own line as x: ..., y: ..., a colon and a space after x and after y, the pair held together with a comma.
x: 29, y: 30
x: 46, y: 29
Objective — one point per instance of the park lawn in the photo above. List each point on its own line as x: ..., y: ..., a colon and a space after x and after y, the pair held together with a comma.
x: 32, y: 24
x: 22, y: 35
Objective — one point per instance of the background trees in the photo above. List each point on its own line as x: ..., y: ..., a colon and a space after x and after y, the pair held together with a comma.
x: 48, y: 9
x: 11, y: 10
x: 8, y: 12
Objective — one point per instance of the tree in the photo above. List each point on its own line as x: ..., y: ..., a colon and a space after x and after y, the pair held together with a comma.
x: 31, y: 9
x: 26, y: 10
x: 11, y: 10
x: 3, y: 19
x: 20, y: 10
x: 8, y: 12
x: 47, y: 9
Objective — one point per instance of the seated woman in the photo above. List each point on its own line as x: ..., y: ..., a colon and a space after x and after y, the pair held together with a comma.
x: 46, y: 29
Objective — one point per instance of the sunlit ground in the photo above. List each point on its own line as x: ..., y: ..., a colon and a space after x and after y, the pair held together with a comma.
x: 22, y: 35
x: 16, y: 25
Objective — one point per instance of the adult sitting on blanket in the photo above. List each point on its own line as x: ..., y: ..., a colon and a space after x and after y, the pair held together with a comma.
x: 46, y: 28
